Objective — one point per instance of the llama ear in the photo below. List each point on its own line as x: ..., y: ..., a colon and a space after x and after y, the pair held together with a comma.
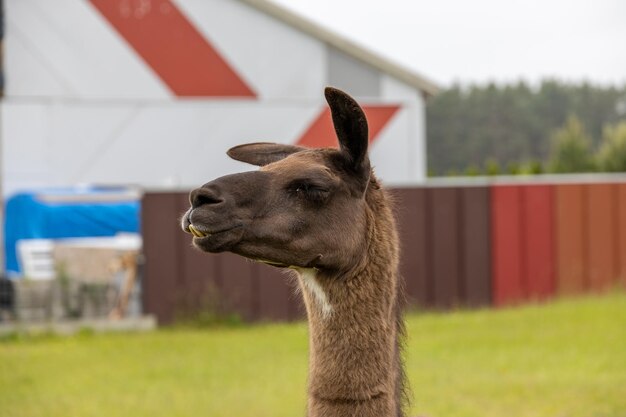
x: 262, y: 153
x: 350, y: 126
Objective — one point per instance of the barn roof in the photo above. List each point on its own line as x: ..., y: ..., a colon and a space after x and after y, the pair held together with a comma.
x: 346, y: 46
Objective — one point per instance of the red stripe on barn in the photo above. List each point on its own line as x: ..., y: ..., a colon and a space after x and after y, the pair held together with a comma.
x: 321, y: 134
x: 173, y: 48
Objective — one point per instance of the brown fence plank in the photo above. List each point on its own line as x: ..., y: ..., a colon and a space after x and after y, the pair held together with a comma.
x: 570, y: 238
x: 239, y: 286
x: 412, y: 227
x: 538, y: 252
x: 476, y: 247
x: 274, y: 293
x: 162, y: 254
x: 601, y: 232
x: 199, y: 284
x: 444, y: 203
x: 295, y: 304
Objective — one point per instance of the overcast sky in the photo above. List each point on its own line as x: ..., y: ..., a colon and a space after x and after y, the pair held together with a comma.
x: 482, y: 40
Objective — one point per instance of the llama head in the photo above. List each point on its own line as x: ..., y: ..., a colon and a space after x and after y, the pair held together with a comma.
x: 304, y: 208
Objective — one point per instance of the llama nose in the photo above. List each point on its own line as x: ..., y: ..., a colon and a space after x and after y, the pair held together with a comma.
x: 204, y: 196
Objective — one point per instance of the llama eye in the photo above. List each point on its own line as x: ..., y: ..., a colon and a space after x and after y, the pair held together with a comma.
x: 309, y: 191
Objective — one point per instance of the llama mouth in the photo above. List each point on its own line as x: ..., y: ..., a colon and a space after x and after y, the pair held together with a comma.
x: 202, y: 234
x: 197, y: 232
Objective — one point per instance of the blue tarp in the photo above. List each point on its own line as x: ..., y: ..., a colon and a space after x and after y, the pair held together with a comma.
x: 56, y: 214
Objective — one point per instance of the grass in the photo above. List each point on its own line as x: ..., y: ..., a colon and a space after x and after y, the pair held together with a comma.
x: 562, y: 359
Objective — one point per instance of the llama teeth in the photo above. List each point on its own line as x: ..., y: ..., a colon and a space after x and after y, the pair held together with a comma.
x: 196, y: 232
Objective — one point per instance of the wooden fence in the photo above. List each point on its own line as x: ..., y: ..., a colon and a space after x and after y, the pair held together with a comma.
x: 472, y: 244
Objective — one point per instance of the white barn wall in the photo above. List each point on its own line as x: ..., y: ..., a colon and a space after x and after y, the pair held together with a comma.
x: 71, y: 52
x: 278, y: 60
x: 389, y: 154
x: 177, y: 144
x: 81, y: 106
x: 414, y: 103
x: 24, y: 160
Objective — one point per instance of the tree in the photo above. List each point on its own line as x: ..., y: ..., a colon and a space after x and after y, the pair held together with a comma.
x: 533, y: 167
x: 513, y: 122
x: 492, y: 167
x: 472, y: 171
x: 612, y: 154
x: 571, y: 148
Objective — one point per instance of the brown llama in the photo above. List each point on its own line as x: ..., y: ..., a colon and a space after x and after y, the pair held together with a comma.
x: 323, y: 214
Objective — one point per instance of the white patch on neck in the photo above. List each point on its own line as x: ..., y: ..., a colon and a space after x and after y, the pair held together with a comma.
x: 309, y: 279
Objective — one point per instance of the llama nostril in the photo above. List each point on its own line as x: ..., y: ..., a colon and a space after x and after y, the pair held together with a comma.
x: 205, y: 199
x: 202, y: 196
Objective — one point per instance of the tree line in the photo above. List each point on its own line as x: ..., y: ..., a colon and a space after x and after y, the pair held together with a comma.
x: 517, y: 128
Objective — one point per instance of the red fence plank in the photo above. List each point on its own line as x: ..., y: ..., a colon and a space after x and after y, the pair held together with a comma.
x: 570, y: 256
x: 538, y: 226
x: 476, y: 246
x: 506, y: 241
x: 601, y: 232
x: 621, y: 210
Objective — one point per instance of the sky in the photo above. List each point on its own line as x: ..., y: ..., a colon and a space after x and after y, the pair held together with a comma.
x: 479, y: 41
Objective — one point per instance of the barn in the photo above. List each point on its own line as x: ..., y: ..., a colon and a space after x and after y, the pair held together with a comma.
x: 153, y: 92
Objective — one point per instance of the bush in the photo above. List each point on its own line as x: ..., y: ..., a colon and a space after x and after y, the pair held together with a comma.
x: 612, y: 154
x: 571, y: 149
x: 533, y: 167
x: 492, y: 167
x: 513, y: 168
x: 472, y: 171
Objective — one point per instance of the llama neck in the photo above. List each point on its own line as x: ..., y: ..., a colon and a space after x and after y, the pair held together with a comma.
x: 354, y: 367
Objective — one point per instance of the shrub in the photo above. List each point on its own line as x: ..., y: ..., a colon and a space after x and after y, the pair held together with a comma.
x: 571, y: 149
x: 612, y: 153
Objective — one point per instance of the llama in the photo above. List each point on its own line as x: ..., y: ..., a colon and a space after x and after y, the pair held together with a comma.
x: 323, y: 214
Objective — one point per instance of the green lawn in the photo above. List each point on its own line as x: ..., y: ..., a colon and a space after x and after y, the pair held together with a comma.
x: 563, y: 359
